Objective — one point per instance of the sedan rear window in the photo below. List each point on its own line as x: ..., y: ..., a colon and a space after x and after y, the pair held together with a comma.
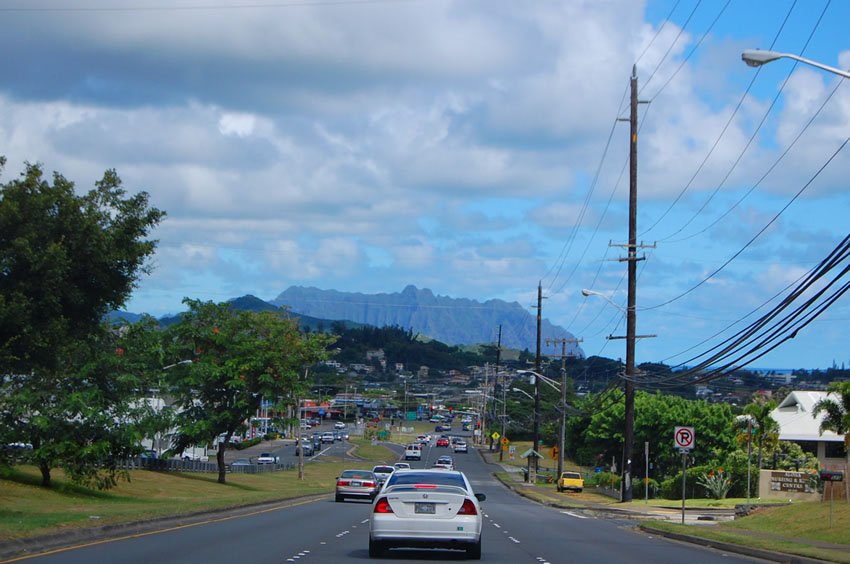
x: 440, y: 479
x: 383, y: 469
x: 357, y: 474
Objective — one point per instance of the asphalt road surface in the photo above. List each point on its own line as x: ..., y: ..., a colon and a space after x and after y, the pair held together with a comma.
x: 515, y: 531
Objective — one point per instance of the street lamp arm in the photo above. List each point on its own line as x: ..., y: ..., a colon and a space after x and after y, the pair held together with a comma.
x: 520, y: 390
x: 546, y: 380
x: 757, y: 58
x: 587, y: 293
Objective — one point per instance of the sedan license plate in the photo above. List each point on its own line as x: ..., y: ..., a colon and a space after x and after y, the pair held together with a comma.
x: 355, y: 483
x: 424, y: 508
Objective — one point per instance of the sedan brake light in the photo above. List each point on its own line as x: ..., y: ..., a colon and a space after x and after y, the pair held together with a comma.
x: 425, y: 486
x: 468, y: 508
x: 343, y: 483
x: 383, y: 506
x: 368, y: 484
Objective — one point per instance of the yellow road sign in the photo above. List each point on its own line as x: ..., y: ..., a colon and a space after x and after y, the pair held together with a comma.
x: 495, y: 435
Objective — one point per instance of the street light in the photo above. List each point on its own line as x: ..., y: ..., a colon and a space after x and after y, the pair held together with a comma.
x: 526, y: 394
x: 757, y: 58
x: 176, y: 364
x: 629, y: 384
x: 587, y: 293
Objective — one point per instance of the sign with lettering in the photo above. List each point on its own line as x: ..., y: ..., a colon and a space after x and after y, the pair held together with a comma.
x: 791, y: 482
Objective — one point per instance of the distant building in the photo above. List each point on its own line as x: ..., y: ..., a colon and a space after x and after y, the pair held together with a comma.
x: 796, y: 424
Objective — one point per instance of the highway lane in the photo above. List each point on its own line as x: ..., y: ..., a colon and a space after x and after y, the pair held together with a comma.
x: 515, y: 531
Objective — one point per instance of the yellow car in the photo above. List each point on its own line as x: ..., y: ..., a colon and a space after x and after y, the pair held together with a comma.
x: 570, y: 481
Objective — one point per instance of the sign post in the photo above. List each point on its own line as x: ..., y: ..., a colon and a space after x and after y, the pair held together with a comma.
x: 684, y: 438
x: 828, y: 476
x: 646, y: 472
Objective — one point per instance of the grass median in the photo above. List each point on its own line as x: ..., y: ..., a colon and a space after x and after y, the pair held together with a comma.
x: 27, y: 509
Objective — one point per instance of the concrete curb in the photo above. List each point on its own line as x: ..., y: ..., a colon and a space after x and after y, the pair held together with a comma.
x: 44, y: 543
x: 730, y: 547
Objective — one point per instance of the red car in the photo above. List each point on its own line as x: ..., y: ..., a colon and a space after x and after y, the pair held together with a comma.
x: 442, y: 442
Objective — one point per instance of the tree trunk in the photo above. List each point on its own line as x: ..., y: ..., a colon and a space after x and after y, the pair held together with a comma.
x: 45, y: 475
x: 222, y: 469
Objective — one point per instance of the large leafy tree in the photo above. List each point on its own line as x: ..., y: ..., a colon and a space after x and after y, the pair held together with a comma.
x: 239, y: 359
x: 836, y: 412
x: 65, y: 261
x: 598, y: 436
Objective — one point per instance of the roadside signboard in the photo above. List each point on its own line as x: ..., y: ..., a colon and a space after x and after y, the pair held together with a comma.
x: 831, y: 476
x: 495, y: 436
x: 684, y: 438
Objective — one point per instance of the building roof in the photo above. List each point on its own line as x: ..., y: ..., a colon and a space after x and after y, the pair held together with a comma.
x: 794, y: 415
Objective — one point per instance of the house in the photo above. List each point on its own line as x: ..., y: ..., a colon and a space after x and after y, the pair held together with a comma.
x: 796, y: 424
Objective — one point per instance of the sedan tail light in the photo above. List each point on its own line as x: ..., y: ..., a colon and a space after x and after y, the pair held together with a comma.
x: 468, y: 508
x: 383, y: 506
x: 343, y: 483
x: 368, y: 484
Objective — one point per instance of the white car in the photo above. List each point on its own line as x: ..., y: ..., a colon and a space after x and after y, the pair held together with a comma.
x: 461, y: 447
x: 426, y: 509
x: 328, y: 437
x: 339, y: 425
x: 267, y: 458
x: 445, y: 462
x: 413, y: 452
x: 401, y: 466
x: 382, y: 472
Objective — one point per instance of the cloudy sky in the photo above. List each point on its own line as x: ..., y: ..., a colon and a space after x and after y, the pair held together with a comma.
x: 471, y: 147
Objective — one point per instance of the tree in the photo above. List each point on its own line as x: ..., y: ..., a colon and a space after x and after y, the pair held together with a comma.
x: 837, y: 412
x: 767, y: 429
x: 239, y: 358
x: 67, y: 260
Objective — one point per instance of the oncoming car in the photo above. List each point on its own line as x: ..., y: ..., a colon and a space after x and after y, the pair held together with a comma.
x: 426, y: 509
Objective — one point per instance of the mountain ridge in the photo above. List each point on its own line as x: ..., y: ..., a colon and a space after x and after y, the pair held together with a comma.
x: 454, y: 321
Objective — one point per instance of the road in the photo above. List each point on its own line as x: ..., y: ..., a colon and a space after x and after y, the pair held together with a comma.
x: 516, y: 530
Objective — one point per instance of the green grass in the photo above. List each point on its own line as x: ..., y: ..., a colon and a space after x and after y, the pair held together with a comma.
x: 794, y: 529
x: 27, y: 509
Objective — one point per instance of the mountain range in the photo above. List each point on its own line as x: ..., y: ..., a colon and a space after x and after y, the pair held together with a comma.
x: 453, y: 321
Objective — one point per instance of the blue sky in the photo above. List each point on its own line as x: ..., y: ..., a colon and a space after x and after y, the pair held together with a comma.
x: 457, y: 145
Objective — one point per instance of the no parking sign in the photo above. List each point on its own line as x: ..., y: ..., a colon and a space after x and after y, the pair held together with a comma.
x: 684, y: 438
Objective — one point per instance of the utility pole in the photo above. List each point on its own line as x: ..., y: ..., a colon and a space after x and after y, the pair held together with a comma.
x: 536, y: 431
x: 504, y: 390
x: 631, y: 322
x: 563, y: 343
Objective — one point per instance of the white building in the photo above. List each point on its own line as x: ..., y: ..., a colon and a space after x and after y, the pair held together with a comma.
x: 796, y: 424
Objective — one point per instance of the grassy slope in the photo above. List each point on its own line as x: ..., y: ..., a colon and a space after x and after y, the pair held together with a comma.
x: 27, y: 509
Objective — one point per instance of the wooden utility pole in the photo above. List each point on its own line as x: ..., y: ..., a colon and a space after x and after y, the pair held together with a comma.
x: 504, y: 382
x: 631, y: 321
x: 532, y: 477
x: 563, y: 343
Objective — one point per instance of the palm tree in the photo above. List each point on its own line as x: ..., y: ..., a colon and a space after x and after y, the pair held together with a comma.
x: 837, y: 418
x: 758, y: 413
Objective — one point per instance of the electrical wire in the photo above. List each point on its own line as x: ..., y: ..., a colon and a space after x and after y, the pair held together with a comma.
x: 754, y: 134
x: 756, y: 236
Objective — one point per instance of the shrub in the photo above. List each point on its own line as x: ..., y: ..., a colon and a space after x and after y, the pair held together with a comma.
x: 241, y: 445
x: 716, y: 483
x: 604, y: 479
